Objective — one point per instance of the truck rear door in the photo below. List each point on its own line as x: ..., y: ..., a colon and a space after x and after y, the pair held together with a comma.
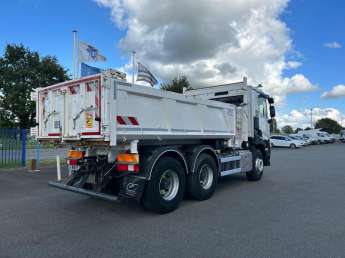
x: 51, y: 113
x: 71, y: 109
x: 84, y: 108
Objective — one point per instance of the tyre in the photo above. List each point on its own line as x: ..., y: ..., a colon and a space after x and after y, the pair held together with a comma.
x: 78, y: 181
x: 292, y: 146
x: 165, y: 190
x: 202, y: 183
x: 258, y: 166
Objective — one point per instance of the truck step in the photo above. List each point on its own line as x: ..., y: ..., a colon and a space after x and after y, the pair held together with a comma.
x: 104, y: 196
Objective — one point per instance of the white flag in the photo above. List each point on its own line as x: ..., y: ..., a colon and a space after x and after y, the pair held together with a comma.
x: 145, y: 75
x: 89, y: 53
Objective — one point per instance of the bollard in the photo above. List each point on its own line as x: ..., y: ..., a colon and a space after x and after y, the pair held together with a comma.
x: 38, y: 149
x: 33, y: 166
x: 58, y: 169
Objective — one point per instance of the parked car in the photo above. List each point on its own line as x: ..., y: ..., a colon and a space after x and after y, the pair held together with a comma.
x: 330, y: 138
x: 304, y: 141
x: 308, y: 139
x: 342, y: 136
x: 325, y: 137
x: 285, y: 141
x: 317, y: 138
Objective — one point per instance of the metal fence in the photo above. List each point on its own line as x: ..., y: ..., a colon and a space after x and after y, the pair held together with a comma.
x: 12, y: 147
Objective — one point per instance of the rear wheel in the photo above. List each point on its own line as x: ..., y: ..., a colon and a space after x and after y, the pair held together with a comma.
x: 203, y: 181
x: 258, y: 166
x: 165, y: 190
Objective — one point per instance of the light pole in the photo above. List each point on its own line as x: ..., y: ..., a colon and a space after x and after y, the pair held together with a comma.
x: 311, y: 119
x: 133, y: 66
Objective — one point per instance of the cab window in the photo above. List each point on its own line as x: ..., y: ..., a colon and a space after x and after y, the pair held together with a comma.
x: 262, y: 107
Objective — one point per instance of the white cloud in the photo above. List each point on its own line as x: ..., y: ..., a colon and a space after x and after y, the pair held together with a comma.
x: 337, y: 91
x: 302, y: 119
x: 211, y: 41
x: 333, y: 44
x: 293, y: 64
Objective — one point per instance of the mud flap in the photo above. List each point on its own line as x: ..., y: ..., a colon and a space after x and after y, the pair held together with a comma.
x: 132, y: 187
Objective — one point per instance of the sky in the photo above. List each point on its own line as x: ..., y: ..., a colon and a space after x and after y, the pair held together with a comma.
x: 295, y: 49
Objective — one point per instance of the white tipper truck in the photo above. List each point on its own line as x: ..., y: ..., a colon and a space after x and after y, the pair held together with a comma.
x: 154, y: 146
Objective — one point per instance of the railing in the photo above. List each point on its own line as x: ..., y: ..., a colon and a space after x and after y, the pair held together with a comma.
x: 12, y: 147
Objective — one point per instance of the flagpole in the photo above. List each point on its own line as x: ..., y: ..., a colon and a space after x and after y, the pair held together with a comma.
x: 78, y: 57
x: 74, y: 53
x: 133, y: 66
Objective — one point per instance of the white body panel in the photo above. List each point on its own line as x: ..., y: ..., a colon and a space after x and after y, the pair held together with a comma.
x: 105, y: 109
x: 167, y: 115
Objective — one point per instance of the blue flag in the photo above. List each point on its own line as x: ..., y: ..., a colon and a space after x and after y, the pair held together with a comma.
x: 87, y: 70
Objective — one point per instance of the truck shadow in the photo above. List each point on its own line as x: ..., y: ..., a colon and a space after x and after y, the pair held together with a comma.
x: 130, y: 209
x: 231, y: 181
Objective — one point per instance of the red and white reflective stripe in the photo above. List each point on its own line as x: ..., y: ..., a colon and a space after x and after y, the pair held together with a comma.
x: 54, y: 134
x: 127, y: 120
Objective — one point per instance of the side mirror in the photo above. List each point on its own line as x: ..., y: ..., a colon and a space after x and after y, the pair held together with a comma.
x: 270, y: 100
x: 272, y: 111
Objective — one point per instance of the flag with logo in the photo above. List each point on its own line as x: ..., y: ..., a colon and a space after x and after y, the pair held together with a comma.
x: 88, y: 53
x: 145, y: 75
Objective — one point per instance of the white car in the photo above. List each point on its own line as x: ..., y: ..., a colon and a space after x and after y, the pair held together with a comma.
x: 285, y: 141
x: 304, y: 141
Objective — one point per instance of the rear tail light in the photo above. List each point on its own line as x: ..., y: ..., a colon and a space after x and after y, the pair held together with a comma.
x: 127, y: 162
x: 72, y: 162
x: 127, y: 167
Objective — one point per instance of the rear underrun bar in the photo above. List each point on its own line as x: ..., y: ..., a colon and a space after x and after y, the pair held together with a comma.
x: 107, y: 197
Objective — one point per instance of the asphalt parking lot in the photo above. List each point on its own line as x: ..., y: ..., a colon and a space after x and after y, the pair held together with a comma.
x: 297, y: 210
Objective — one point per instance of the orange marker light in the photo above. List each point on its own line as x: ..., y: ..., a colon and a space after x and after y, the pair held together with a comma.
x: 128, y: 158
x: 74, y: 154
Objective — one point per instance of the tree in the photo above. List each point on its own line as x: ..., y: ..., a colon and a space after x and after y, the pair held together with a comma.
x: 298, y: 129
x: 177, y: 84
x: 273, y: 126
x: 21, y: 71
x: 287, y: 129
x: 328, y: 125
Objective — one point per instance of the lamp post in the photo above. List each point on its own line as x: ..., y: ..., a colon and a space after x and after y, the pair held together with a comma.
x: 311, y: 119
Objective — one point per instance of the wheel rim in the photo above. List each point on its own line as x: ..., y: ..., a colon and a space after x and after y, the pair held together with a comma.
x: 206, y: 176
x: 169, y: 185
x: 259, y: 165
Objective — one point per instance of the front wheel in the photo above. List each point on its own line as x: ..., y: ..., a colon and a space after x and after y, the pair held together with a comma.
x: 292, y: 146
x: 258, y: 166
x: 165, y: 190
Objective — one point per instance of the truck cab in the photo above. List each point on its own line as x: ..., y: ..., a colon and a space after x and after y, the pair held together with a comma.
x: 255, y: 111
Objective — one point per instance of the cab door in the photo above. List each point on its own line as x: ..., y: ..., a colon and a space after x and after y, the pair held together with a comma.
x: 263, y: 118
